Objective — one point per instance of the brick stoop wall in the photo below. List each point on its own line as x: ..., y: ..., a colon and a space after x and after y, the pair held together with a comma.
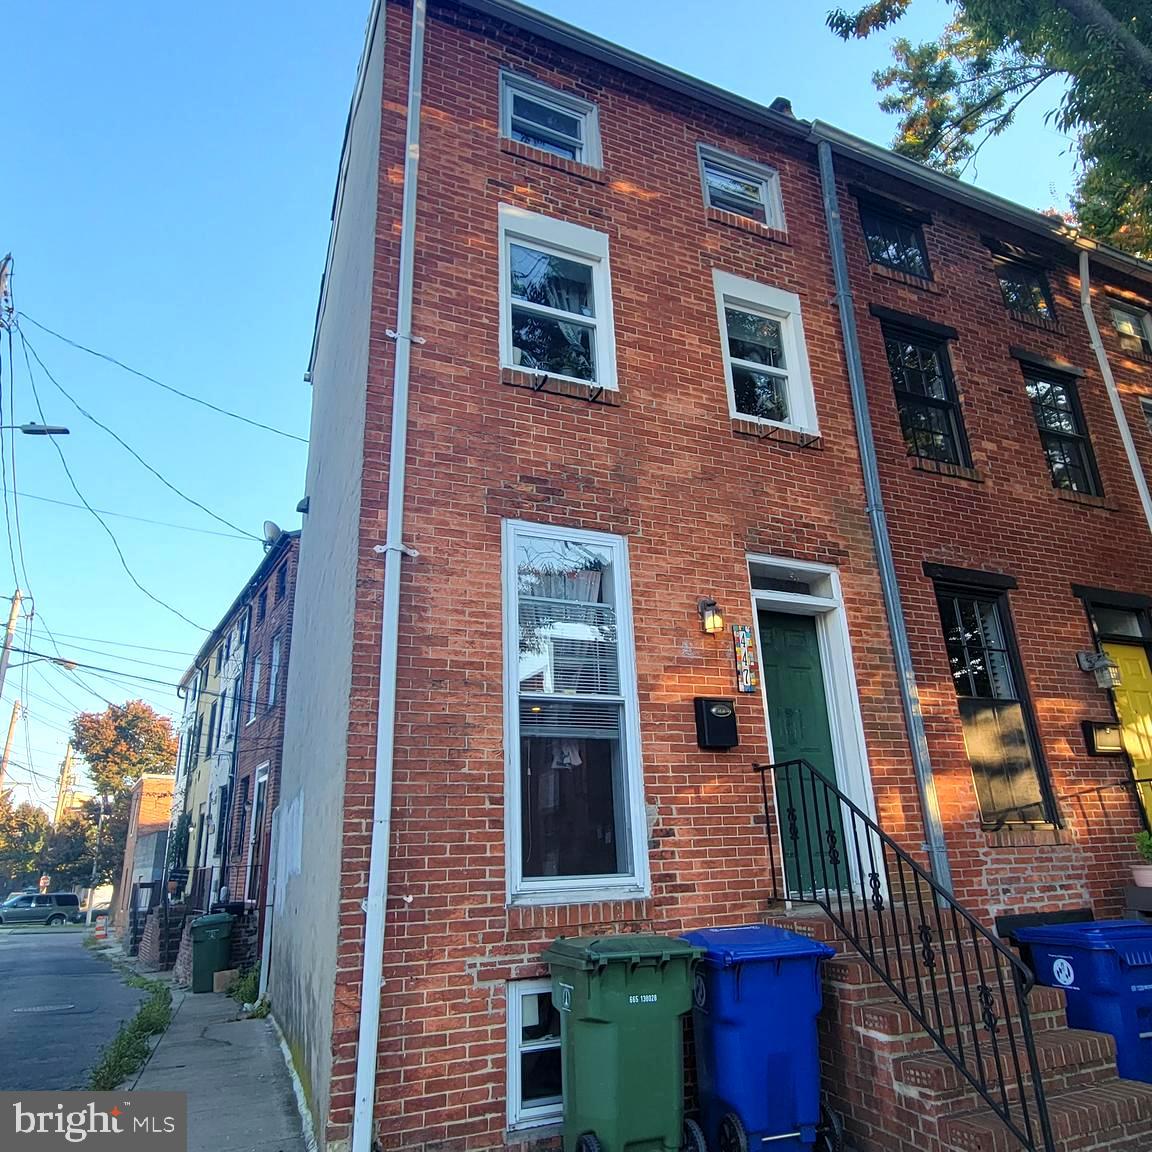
x: 899, y: 1093
x: 160, y: 939
x: 245, y: 950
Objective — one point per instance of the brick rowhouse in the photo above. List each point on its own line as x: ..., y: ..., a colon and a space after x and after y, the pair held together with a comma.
x: 699, y: 493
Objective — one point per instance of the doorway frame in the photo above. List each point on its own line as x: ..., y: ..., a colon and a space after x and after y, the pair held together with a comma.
x: 259, y: 793
x: 825, y: 604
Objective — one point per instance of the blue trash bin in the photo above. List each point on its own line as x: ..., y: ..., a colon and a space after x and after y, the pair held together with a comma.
x: 1104, y: 968
x: 756, y: 997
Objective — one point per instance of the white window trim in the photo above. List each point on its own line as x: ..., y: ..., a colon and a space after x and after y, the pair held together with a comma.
x: 785, y: 308
x: 274, y: 667
x: 571, y: 241
x: 574, y: 889
x: 257, y: 668
x: 511, y: 83
x: 1140, y: 315
x: 768, y: 178
x: 532, y: 1116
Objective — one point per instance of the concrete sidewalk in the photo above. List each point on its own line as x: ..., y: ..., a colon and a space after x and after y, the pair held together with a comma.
x: 240, y: 1095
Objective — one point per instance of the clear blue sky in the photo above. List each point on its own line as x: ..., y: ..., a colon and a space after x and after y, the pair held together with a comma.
x: 167, y: 183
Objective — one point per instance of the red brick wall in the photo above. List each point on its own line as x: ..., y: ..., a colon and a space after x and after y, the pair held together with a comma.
x: 1008, y: 518
x: 666, y: 468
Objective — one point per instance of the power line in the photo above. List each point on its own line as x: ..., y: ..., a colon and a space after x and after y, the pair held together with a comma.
x: 75, y: 488
x: 133, y: 659
x: 4, y: 461
x: 141, y: 519
x: 161, y: 384
x: 121, y: 644
x: 28, y: 347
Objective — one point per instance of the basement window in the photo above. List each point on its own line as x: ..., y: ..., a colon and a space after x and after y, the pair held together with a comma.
x: 535, y: 1092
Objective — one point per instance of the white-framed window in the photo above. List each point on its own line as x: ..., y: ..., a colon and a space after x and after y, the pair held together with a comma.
x: 254, y: 696
x: 575, y: 819
x: 274, y: 669
x: 535, y: 1090
x: 555, y: 299
x: 733, y: 184
x: 550, y: 120
x: 1146, y: 409
x: 1134, y: 328
x: 765, y: 359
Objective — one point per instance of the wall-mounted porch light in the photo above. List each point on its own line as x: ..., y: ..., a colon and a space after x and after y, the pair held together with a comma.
x: 1102, y: 666
x: 711, y: 617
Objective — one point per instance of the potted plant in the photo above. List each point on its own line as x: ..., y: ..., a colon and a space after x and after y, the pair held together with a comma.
x: 1142, y: 873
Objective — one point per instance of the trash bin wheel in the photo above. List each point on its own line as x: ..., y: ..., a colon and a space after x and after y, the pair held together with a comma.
x: 588, y: 1142
x: 693, y: 1137
x: 733, y: 1137
x: 830, y: 1134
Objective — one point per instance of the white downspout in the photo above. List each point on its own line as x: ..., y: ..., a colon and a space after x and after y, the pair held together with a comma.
x: 375, y: 907
x: 1110, y: 386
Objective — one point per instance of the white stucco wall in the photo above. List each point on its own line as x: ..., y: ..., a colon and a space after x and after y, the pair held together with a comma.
x: 302, y: 968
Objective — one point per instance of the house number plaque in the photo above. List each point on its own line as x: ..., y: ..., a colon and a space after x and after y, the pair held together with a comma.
x: 744, y: 646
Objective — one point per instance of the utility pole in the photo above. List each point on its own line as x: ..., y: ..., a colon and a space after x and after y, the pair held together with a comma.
x: 8, y: 742
x: 96, y: 861
x: 6, y: 651
x: 63, y: 786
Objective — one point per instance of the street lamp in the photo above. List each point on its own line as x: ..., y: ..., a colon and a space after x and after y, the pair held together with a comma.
x: 35, y: 429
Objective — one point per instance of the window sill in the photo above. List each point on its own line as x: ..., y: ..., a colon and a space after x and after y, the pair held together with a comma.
x: 885, y: 273
x: 1036, y: 321
x: 577, y: 910
x: 744, y: 224
x: 535, y: 1131
x: 558, y: 386
x: 778, y: 435
x: 1026, y: 836
x: 939, y: 468
x: 1084, y: 499
x: 549, y: 160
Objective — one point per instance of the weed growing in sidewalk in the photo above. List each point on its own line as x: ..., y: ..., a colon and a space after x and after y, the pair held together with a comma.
x: 129, y: 1049
x: 246, y: 989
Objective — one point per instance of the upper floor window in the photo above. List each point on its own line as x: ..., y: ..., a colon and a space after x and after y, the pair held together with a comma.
x: 1025, y: 290
x: 748, y: 189
x: 765, y: 360
x: 274, y: 670
x: 1056, y: 408
x: 219, y: 659
x: 576, y: 821
x: 1134, y: 329
x: 257, y: 668
x: 556, y: 298
x: 552, y: 121
x: 261, y: 605
x: 895, y: 241
x: 998, y: 727
x: 930, y: 416
x: 281, y: 581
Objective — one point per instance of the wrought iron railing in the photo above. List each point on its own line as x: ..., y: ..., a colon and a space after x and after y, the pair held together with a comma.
x: 960, y: 984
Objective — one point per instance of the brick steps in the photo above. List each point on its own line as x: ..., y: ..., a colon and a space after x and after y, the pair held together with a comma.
x: 897, y: 1090
x: 1115, y: 1114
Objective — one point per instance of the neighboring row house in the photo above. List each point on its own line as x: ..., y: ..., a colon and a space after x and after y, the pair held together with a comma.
x: 230, y: 739
x: 630, y: 395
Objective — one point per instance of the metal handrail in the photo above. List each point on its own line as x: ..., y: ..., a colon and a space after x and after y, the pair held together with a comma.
x: 964, y: 987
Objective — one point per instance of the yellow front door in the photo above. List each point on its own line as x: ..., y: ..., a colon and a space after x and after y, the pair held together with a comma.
x: 1134, y: 708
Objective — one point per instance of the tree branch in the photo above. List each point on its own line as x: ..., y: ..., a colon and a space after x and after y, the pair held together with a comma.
x: 1094, y: 13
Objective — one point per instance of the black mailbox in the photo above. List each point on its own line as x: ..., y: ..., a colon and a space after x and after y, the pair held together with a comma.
x: 716, y: 723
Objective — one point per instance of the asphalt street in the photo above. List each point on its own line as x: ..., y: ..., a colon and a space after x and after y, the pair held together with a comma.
x: 59, y: 1007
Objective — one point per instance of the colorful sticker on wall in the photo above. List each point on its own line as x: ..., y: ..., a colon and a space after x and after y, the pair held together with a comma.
x: 747, y: 671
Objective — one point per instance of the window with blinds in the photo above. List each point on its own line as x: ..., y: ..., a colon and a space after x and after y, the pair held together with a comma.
x: 576, y: 772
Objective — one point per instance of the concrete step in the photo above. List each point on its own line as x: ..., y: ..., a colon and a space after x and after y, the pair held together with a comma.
x: 1068, y: 1058
x: 1114, y: 1115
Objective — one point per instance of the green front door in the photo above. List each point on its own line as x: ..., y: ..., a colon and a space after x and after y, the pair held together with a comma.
x: 798, y: 719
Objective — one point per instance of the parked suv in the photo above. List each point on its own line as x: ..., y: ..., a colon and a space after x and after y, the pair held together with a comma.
x: 51, y: 908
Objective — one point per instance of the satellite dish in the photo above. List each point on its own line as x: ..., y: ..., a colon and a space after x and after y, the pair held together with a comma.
x: 272, y: 533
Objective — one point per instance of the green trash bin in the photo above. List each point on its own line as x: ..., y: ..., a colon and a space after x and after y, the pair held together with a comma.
x: 621, y: 999
x: 211, y: 946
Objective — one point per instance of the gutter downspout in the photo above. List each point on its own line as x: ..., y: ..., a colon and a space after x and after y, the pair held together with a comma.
x: 909, y: 696
x: 394, y: 549
x: 1110, y: 386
